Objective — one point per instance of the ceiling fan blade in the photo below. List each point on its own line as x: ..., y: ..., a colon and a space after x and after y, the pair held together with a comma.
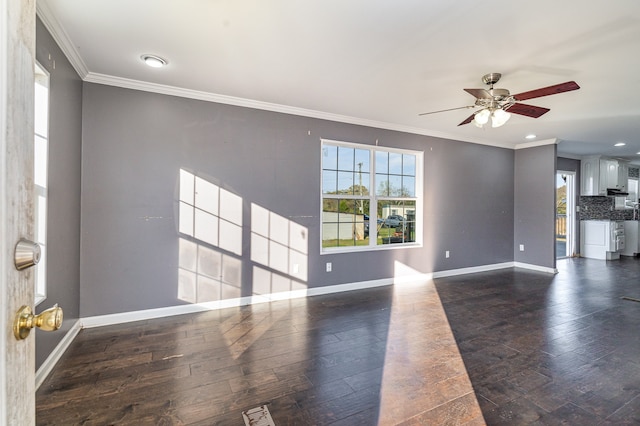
x: 546, y: 91
x: 528, y: 110
x: 479, y: 93
x: 445, y: 110
x: 468, y: 120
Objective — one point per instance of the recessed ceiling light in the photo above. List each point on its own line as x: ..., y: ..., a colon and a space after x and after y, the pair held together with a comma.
x: 620, y: 144
x: 531, y: 136
x: 154, y: 61
x: 638, y: 153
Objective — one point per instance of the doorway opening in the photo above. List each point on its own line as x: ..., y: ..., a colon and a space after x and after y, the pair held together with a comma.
x: 565, y: 213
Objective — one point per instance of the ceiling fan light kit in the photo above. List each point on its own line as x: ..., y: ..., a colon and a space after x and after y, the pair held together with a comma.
x: 481, y: 117
x: 499, y: 104
x: 498, y: 117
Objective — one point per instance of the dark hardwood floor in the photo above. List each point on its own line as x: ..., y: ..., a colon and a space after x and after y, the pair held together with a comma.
x: 380, y: 356
x: 538, y: 349
x: 551, y: 350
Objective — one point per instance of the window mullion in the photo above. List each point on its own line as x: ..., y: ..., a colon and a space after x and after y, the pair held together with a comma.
x: 373, y: 202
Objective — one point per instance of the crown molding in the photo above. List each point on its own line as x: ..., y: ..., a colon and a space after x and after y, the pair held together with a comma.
x: 61, y: 38
x: 569, y: 156
x: 537, y: 143
x: 145, y: 86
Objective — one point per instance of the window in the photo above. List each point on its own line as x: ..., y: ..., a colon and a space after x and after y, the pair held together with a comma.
x: 41, y: 165
x: 370, y: 197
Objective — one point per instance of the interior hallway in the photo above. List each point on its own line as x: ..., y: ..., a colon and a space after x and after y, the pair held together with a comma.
x: 538, y: 348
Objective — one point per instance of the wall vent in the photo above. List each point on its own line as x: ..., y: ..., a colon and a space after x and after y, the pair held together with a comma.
x: 258, y: 416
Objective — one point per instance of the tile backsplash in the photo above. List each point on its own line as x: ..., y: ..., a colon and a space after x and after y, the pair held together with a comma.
x: 600, y: 207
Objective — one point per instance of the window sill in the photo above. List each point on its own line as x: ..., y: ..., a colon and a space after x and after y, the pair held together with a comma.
x: 360, y: 249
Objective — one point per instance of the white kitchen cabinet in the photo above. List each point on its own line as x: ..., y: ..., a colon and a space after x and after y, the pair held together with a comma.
x: 632, y: 243
x: 608, y: 175
x: 623, y: 175
x: 599, y: 173
x: 596, y: 241
x: 590, y: 176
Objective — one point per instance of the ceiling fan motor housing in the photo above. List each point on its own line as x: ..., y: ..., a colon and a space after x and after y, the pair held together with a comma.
x: 498, y: 98
x: 499, y: 94
x: 491, y: 78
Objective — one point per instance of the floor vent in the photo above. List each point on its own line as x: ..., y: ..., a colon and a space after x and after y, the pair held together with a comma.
x: 630, y: 298
x: 259, y: 416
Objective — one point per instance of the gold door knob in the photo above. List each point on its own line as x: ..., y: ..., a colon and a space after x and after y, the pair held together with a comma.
x: 49, y: 320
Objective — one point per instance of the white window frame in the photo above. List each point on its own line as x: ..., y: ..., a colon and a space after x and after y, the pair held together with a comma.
x: 375, y: 199
x: 41, y: 181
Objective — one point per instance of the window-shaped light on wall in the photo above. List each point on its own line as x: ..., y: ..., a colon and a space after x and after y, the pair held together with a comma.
x: 209, y: 213
x: 281, y: 246
x: 206, y: 274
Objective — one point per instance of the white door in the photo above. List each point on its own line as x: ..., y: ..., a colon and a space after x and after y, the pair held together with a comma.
x: 17, y: 58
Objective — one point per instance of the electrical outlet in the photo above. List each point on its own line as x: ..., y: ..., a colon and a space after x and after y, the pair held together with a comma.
x: 328, y: 266
x: 521, y: 247
x: 446, y: 254
x: 296, y: 268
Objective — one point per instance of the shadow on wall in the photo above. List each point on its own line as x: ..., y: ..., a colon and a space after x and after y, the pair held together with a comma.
x: 210, y: 246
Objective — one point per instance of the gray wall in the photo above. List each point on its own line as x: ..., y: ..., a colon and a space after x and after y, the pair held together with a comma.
x: 134, y: 144
x: 534, y: 206
x: 65, y: 145
x: 570, y: 165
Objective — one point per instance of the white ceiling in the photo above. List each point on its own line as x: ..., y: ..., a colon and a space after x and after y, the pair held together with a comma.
x: 376, y: 62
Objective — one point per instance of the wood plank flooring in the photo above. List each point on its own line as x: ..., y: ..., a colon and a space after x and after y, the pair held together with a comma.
x: 551, y: 350
x: 539, y: 349
x: 380, y: 356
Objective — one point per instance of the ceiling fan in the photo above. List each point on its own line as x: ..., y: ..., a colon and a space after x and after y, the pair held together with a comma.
x: 498, y: 104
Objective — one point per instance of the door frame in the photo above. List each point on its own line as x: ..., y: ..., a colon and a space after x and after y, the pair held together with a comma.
x: 17, y: 56
x: 571, y: 212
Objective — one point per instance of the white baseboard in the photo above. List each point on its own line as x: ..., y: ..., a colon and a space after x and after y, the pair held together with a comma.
x: 495, y: 266
x: 472, y: 270
x: 55, y: 355
x: 360, y: 285
x: 535, y: 267
x: 124, y: 317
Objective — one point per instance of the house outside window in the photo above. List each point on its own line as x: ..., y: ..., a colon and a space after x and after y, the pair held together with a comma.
x: 371, y: 197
